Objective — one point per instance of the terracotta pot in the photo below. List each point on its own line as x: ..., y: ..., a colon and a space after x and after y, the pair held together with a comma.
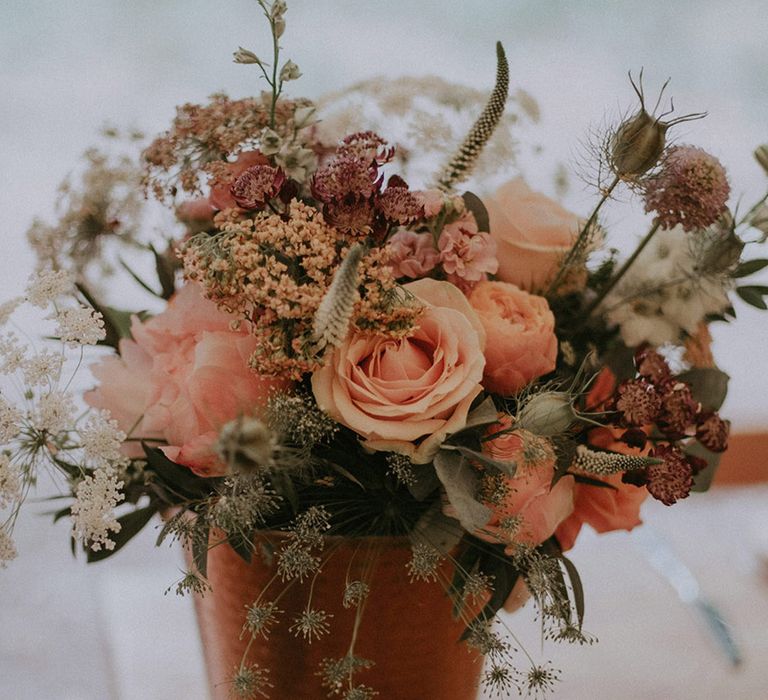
x: 407, y: 628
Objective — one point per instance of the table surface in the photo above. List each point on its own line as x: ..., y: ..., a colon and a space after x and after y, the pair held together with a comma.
x: 108, y: 632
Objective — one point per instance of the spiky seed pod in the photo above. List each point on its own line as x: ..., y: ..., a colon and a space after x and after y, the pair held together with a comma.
x: 607, y: 463
x: 463, y: 162
x: 333, y: 315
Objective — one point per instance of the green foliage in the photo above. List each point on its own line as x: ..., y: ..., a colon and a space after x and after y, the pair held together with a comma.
x: 753, y: 294
x: 709, y: 386
x: 130, y: 525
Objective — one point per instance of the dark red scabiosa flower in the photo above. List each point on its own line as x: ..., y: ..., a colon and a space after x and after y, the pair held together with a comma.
x: 690, y: 190
x: 353, y: 217
x: 255, y: 186
x: 672, y: 479
x: 713, y: 432
x: 651, y: 365
x: 679, y: 412
x: 638, y: 402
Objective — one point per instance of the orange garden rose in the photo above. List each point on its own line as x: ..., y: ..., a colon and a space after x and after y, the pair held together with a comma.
x: 532, y: 232
x: 182, y: 377
x: 521, y: 343
x: 529, y: 508
x: 407, y: 395
x: 605, y: 509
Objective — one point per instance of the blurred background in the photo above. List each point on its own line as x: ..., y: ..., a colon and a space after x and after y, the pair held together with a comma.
x: 69, y: 68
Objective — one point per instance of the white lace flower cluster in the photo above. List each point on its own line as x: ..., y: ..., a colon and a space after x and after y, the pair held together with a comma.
x: 666, y: 292
x: 93, y: 516
x: 39, y: 428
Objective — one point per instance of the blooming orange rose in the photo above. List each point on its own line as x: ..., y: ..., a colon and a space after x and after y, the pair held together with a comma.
x: 603, y: 508
x: 529, y: 500
x: 182, y: 377
x: 532, y: 232
x: 408, y: 395
x: 521, y: 343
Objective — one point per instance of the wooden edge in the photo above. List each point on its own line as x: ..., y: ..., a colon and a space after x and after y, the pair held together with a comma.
x: 745, y: 461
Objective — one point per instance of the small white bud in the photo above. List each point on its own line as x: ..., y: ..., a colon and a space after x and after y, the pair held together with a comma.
x: 289, y: 71
x: 245, y: 56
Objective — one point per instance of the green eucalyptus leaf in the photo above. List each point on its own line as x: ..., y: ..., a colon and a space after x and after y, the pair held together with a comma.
x: 130, y: 525
x: 576, y: 585
x: 437, y: 530
x: 476, y: 206
x: 590, y: 481
x: 460, y: 481
x: 703, y: 480
x: 749, y: 267
x: 753, y: 295
x: 709, y: 386
x: 178, y: 483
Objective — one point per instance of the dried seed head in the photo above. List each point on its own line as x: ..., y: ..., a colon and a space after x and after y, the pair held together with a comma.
x: 639, y: 141
x: 547, y: 413
x: 246, y: 443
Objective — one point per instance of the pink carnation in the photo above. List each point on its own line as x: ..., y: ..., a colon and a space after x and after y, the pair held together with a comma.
x: 468, y: 255
x: 412, y: 254
x: 182, y: 377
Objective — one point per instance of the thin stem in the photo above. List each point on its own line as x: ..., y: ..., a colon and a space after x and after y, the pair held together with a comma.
x: 579, y: 242
x: 622, y: 271
x: 752, y: 210
x: 275, y: 91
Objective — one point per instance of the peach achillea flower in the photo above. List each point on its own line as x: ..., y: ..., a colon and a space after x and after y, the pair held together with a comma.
x: 522, y: 345
x: 407, y: 395
x: 181, y: 379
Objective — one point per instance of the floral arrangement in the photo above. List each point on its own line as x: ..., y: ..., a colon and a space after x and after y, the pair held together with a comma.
x: 339, y: 351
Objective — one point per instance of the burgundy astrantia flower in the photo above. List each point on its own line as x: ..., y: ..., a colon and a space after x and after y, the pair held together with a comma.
x: 347, y: 179
x: 366, y: 145
x: 353, y: 216
x: 255, y: 186
x: 679, y: 411
x: 713, y: 431
x: 638, y: 401
x: 651, y: 365
x: 691, y: 189
x: 398, y: 204
x: 672, y: 479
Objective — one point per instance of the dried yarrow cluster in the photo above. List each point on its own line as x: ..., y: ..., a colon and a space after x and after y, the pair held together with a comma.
x: 272, y: 272
x: 203, y: 135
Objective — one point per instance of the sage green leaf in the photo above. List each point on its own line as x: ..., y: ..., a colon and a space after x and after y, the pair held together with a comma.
x: 749, y: 267
x: 460, y: 481
x: 703, y: 480
x: 509, y: 468
x: 425, y: 481
x: 709, y: 386
x: 576, y: 585
x: 476, y: 206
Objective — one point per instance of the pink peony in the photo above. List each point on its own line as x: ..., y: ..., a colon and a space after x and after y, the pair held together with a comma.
x: 467, y: 255
x: 533, y: 233
x: 182, y: 377
x: 520, y: 328
x: 412, y: 254
x: 530, y: 502
x: 408, y: 395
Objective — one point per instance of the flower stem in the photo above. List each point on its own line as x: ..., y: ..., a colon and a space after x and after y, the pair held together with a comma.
x: 580, y: 240
x: 622, y: 271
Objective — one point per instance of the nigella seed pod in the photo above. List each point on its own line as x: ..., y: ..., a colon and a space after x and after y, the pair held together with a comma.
x: 639, y: 141
x: 548, y: 413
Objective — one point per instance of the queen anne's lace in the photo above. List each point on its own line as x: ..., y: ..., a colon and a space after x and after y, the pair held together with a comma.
x: 93, y: 517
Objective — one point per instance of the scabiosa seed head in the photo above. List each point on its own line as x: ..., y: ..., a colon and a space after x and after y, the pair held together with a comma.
x: 672, y: 479
x: 713, y: 431
x: 256, y: 186
x: 638, y: 401
x: 678, y: 411
x: 690, y: 190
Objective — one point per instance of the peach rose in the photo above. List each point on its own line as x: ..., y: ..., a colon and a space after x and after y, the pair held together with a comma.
x: 520, y: 329
x: 528, y: 496
x: 182, y: 377
x: 603, y: 508
x: 408, y: 395
x: 532, y: 232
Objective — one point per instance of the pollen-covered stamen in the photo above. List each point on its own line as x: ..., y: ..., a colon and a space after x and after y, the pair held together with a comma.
x: 607, y: 463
